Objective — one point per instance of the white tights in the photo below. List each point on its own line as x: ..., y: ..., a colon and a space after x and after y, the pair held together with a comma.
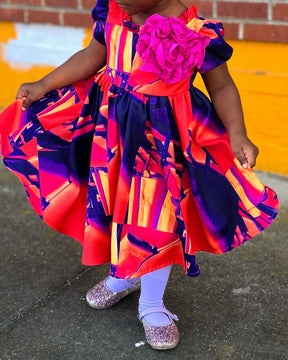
x: 153, y: 286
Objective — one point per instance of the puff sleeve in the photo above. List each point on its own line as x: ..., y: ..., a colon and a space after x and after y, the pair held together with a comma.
x: 99, y: 15
x: 218, y: 51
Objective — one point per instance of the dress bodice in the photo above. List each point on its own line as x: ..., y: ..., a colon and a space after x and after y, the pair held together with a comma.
x: 124, y: 63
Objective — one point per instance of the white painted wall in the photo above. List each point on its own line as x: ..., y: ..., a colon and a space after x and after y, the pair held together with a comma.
x: 42, y: 45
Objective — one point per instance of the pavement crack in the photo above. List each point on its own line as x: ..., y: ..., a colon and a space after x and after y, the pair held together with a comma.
x: 23, y: 311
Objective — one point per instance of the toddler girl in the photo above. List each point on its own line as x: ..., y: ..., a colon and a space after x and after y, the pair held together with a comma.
x: 145, y: 170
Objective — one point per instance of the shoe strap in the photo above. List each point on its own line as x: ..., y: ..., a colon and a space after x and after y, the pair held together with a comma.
x: 158, y: 309
x: 127, y: 284
x: 130, y: 285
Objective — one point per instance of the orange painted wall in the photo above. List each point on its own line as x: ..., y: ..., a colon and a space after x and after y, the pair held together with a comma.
x: 259, y: 70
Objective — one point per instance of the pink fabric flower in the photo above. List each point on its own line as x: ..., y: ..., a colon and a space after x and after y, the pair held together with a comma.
x: 169, y: 49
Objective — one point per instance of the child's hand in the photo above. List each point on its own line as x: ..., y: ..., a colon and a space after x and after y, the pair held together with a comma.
x: 30, y: 92
x: 245, y: 151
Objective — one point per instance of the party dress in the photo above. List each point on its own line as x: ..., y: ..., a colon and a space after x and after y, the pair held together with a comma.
x: 140, y: 170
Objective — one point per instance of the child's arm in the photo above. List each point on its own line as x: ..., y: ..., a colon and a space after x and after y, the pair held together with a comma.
x: 226, y: 100
x: 80, y: 66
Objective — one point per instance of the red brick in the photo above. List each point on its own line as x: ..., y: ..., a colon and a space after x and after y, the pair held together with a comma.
x: 204, y: 8
x: 45, y: 17
x: 8, y: 14
x: 4, y: 1
x: 261, y: 32
x: 280, y: 12
x: 231, y: 31
x: 27, y: 2
x: 242, y: 10
x: 77, y: 19
x: 88, y: 4
x: 62, y: 3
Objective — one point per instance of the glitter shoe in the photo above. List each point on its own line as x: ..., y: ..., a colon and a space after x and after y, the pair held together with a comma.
x: 99, y: 297
x: 160, y: 337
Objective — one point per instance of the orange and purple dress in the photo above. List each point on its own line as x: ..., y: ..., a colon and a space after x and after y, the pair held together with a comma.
x: 135, y: 163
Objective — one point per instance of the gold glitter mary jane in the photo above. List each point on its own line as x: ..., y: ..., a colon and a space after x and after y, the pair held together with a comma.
x: 100, y: 297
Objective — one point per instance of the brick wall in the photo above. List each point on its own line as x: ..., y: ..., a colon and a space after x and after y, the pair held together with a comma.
x: 260, y: 20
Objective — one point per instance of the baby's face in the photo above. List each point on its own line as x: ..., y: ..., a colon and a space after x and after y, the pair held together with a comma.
x: 132, y: 7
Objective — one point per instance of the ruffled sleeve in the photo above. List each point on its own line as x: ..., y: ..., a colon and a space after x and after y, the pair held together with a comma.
x: 99, y: 15
x: 218, y: 51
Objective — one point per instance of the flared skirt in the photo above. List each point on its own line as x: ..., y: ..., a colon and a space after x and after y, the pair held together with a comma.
x: 141, y: 181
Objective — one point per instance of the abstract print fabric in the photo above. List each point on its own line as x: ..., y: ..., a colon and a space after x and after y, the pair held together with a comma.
x: 136, y: 167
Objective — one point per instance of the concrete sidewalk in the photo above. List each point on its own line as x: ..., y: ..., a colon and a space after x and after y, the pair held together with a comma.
x: 236, y: 310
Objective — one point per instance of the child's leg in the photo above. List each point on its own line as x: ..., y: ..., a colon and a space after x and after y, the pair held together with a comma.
x: 152, y: 290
